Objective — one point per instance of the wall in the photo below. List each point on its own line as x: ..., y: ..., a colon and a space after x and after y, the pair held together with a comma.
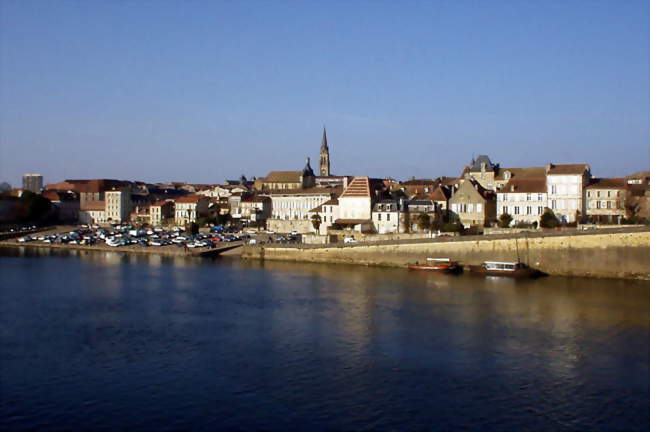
x: 621, y: 254
x: 287, y: 226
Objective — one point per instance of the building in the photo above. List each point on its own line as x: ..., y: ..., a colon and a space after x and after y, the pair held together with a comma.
x: 161, y: 212
x: 472, y: 204
x: 255, y: 210
x: 566, y: 190
x: 93, y: 212
x: 415, y: 208
x: 66, y: 205
x: 418, y: 188
x: 118, y: 204
x: 283, y: 180
x: 356, y: 202
x: 328, y: 212
x: 483, y: 171
x: 637, y: 202
x: 33, y: 182
x: 525, y: 199
x: 389, y: 216
x: 189, y: 208
x: 606, y: 200
x: 324, y: 156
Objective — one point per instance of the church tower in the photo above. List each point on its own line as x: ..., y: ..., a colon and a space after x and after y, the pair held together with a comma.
x: 324, y: 156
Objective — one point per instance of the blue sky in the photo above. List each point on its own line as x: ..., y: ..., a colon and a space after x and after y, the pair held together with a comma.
x: 203, y: 91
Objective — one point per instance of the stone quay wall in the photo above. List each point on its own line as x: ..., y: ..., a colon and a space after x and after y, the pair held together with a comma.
x: 595, y: 254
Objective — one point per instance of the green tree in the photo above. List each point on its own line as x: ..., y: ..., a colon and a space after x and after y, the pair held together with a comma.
x: 316, y: 221
x: 33, y: 206
x: 424, y: 221
x: 548, y: 219
x: 504, y: 220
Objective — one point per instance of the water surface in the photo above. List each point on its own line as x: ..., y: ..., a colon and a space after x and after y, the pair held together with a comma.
x: 111, y: 341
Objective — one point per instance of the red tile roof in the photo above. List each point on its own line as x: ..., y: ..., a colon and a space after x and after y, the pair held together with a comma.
x: 190, y: 199
x: 566, y: 169
x: 359, y: 187
x: 525, y: 185
x: 607, y: 183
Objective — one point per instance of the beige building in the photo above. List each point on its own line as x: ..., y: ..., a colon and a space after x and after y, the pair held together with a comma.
x: 328, y: 212
x: 118, y: 204
x: 355, y: 205
x: 93, y: 212
x: 188, y: 208
x: 524, y: 199
x: 161, y: 212
x: 606, y: 199
x: 287, y: 180
x: 295, y: 204
x: 389, y: 216
x: 472, y: 204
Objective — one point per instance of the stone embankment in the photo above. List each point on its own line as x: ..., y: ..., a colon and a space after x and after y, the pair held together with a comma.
x: 617, y: 253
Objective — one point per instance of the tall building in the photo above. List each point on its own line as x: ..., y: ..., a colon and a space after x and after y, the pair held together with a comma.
x: 33, y: 182
x: 324, y: 156
x: 118, y: 204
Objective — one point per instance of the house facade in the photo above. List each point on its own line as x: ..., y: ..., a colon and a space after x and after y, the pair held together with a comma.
x: 118, y: 204
x: 389, y: 216
x: 188, y: 208
x: 161, y: 212
x: 472, y: 204
x: 565, y: 186
x: 606, y: 199
x: 523, y: 199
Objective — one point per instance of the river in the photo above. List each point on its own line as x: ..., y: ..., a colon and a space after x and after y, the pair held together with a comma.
x: 108, y: 341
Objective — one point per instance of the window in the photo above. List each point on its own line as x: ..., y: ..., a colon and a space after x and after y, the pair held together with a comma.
x: 588, y: 194
x: 553, y: 204
x: 609, y: 194
x: 554, y: 189
x: 598, y: 194
x: 528, y: 197
x: 597, y: 204
x: 540, y: 210
x: 378, y: 216
x: 479, y: 208
x: 388, y: 216
x: 609, y: 204
x: 470, y: 208
x: 516, y: 210
x: 504, y: 209
x: 529, y: 210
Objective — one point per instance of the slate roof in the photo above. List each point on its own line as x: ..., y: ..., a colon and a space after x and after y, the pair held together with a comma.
x: 476, y: 164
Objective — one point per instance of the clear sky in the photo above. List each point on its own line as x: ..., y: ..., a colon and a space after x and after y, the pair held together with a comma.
x: 202, y: 91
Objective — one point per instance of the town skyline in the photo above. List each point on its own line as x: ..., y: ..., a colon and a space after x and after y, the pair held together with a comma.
x: 117, y: 90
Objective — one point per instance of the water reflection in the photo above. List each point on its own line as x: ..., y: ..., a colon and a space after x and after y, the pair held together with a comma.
x: 249, y: 345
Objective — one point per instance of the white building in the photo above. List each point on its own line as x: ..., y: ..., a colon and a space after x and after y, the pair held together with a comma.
x: 388, y: 216
x: 188, y: 208
x: 523, y: 199
x: 355, y: 205
x: 328, y: 212
x: 93, y: 212
x: 566, y: 190
x: 295, y: 204
x: 118, y: 204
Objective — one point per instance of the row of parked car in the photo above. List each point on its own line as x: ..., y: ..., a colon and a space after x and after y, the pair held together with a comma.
x: 124, y: 235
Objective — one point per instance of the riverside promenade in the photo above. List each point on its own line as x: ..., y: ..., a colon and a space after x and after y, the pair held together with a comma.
x: 611, y: 253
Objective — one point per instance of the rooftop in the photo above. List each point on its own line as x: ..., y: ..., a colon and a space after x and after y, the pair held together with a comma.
x: 359, y: 187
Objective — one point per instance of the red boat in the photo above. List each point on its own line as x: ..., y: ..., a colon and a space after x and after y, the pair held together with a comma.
x: 439, y: 265
x: 509, y: 269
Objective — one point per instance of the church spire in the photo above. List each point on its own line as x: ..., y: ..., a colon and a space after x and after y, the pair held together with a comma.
x: 323, y: 143
x: 324, y: 155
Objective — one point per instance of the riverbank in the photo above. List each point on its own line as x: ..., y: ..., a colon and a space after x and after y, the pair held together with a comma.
x: 621, y: 254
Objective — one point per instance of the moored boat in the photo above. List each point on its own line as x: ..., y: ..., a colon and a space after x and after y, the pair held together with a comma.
x: 509, y: 269
x: 439, y: 265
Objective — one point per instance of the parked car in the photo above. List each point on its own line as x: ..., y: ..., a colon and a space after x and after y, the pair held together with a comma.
x: 349, y: 240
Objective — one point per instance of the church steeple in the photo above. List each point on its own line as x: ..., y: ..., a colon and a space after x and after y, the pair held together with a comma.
x: 324, y: 155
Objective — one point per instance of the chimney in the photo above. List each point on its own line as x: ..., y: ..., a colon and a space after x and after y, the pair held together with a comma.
x: 548, y: 167
x: 512, y: 188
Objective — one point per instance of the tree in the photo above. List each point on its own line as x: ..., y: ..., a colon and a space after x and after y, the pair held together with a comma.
x: 316, y: 221
x: 424, y: 221
x: 548, y: 219
x: 504, y: 220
